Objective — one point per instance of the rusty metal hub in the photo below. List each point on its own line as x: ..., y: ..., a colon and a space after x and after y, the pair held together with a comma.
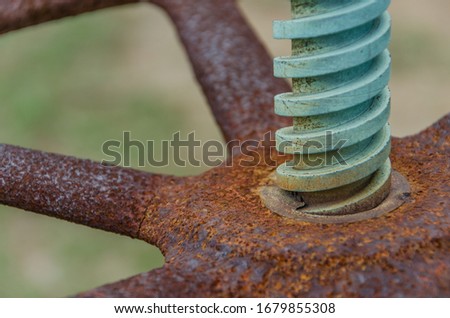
x: 395, y: 191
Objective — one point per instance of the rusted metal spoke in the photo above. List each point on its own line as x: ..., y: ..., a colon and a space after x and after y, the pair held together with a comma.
x: 16, y: 14
x: 231, y: 65
x: 220, y: 241
x: 217, y: 237
x: 81, y: 191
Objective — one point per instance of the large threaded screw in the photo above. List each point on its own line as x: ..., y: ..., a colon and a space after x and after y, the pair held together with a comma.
x: 340, y: 104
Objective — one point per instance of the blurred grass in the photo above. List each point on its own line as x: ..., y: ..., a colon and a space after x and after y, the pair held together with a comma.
x: 70, y: 85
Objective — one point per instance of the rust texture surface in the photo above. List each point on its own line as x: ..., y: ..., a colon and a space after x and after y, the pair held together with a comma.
x: 233, y: 68
x: 16, y: 14
x: 82, y: 191
x: 219, y: 240
x: 217, y: 237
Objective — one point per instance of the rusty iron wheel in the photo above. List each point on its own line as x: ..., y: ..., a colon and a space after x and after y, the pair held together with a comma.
x: 217, y: 237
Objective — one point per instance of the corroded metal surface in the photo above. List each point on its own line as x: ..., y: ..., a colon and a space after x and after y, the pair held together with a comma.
x: 221, y: 241
x: 217, y: 237
x: 81, y: 191
x: 282, y: 202
x: 231, y: 65
x: 16, y: 14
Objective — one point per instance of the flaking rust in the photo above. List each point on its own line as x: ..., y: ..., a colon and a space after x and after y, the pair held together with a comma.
x: 287, y: 205
x: 217, y: 237
x: 222, y: 242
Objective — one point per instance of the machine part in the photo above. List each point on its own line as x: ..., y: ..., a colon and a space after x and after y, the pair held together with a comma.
x: 217, y: 237
x: 284, y: 203
x: 340, y: 104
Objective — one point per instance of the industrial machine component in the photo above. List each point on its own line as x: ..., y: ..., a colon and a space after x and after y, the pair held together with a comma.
x: 340, y: 104
x: 217, y: 238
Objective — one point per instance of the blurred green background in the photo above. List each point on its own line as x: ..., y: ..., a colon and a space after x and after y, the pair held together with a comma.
x: 69, y: 85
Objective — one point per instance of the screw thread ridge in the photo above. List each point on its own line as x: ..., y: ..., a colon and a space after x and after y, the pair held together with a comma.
x: 340, y: 103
